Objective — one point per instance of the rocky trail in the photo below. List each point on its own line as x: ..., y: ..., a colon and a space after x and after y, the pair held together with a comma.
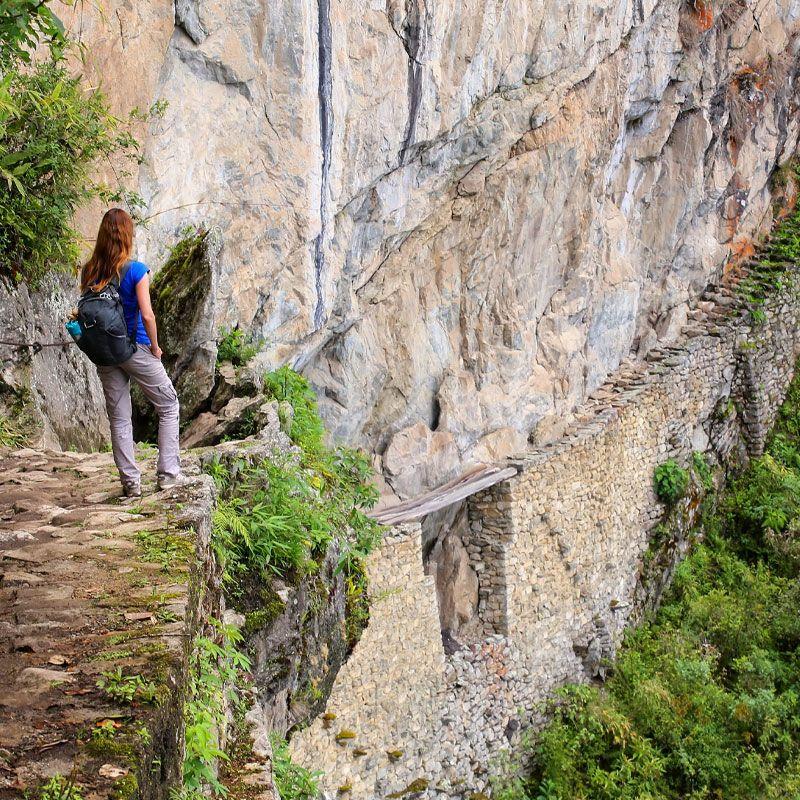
x: 99, y: 599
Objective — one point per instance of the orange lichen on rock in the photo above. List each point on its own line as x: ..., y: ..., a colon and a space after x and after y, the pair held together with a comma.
x: 704, y: 13
x: 742, y: 248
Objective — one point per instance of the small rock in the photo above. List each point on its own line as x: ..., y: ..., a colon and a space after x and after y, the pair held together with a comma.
x: 139, y: 616
x: 231, y: 617
x: 14, y: 537
x: 112, y: 772
x: 20, y: 578
x: 39, y: 680
x: 100, y: 497
x: 200, y: 430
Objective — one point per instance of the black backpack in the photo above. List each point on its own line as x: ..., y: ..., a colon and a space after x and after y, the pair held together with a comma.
x: 103, y: 331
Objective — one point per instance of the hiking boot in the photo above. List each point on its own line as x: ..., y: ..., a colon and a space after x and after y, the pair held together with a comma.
x: 173, y: 481
x: 132, y: 489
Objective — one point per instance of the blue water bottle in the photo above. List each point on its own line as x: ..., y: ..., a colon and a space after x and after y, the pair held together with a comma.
x: 74, y: 329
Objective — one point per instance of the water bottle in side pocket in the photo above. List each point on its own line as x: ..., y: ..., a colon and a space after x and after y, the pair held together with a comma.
x: 74, y: 329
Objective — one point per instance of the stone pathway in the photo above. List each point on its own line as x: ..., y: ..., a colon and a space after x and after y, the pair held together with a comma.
x: 92, y: 583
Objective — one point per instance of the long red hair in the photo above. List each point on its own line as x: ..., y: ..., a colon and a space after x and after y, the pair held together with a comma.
x: 111, y: 250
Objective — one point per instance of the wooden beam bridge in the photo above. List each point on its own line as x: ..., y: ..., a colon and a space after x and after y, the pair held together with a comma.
x: 469, y: 483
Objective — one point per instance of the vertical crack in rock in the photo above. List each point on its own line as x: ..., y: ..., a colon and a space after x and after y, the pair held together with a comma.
x: 411, y: 36
x: 326, y: 140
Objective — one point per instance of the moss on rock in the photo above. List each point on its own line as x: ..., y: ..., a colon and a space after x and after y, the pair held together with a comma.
x: 179, y: 291
x: 180, y: 294
x: 266, y: 614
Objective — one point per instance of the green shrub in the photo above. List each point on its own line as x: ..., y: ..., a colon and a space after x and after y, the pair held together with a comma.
x: 307, y: 431
x: 702, y: 470
x: 236, y: 347
x: 763, y: 505
x: 703, y: 703
x: 18, y: 423
x: 52, y: 131
x: 671, y: 482
x: 10, y: 434
x: 274, y: 523
x: 127, y: 688
x: 23, y: 24
x: 292, y: 781
x: 279, y: 517
x: 60, y: 788
x: 768, y: 497
x: 784, y: 243
x: 215, y: 673
x: 591, y: 750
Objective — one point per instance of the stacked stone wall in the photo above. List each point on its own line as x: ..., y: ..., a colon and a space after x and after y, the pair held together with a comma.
x: 558, y: 550
x: 391, y: 690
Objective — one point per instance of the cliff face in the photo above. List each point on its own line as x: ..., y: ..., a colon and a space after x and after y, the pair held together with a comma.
x: 456, y: 217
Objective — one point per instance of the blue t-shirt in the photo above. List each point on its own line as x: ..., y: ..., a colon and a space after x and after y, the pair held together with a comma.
x: 130, y: 303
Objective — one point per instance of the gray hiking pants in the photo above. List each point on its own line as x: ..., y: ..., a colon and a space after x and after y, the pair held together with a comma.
x: 151, y: 376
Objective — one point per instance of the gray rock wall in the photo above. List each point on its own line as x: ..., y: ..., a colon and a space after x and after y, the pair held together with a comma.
x: 55, y: 389
x: 457, y: 218
x: 559, y: 554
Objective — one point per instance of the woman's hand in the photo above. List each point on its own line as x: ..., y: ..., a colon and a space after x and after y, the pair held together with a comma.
x: 148, y: 317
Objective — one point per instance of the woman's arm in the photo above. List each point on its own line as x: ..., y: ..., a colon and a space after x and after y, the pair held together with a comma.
x: 148, y: 317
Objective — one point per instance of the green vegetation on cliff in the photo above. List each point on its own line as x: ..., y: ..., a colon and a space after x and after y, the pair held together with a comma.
x: 53, y: 131
x: 294, y: 520
x: 179, y: 290
x: 214, y: 678
x: 281, y: 515
x: 292, y: 781
x: 23, y: 24
x: 671, y: 481
x: 704, y: 702
x: 236, y: 347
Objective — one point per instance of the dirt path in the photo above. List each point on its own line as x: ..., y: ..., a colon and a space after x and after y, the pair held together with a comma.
x: 92, y: 583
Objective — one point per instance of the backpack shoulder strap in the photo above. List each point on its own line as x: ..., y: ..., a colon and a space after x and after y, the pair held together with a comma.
x: 122, y: 273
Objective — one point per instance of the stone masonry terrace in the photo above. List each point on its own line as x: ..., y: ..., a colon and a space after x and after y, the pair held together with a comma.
x: 93, y: 584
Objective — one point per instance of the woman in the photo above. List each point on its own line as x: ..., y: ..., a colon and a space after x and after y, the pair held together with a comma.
x: 111, y: 262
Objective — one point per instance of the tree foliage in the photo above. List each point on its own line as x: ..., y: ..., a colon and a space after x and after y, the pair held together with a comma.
x: 53, y: 131
x: 23, y: 24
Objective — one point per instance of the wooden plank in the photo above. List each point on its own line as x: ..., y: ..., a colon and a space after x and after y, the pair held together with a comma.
x: 450, y: 493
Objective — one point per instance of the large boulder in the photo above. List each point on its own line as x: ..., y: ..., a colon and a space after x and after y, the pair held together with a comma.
x: 184, y: 295
x: 448, y: 561
x: 417, y: 458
